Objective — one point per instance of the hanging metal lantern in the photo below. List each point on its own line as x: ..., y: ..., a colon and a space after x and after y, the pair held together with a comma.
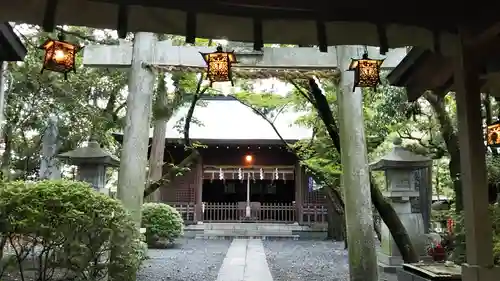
x: 366, y: 72
x: 493, y: 135
x: 59, y: 55
x: 219, y: 65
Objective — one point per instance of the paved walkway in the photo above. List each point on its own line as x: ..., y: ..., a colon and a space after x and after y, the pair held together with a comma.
x: 245, y: 261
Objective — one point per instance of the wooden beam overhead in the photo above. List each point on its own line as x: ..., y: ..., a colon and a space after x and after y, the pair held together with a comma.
x: 486, y: 35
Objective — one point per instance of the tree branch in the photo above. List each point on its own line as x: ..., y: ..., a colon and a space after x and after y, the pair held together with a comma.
x: 191, y: 158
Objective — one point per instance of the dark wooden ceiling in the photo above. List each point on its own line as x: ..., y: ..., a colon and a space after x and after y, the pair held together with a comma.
x: 423, y: 13
x: 314, y: 22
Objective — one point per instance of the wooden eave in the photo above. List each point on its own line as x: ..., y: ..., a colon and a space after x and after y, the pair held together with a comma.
x: 11, y: 47
x: 220, y: 142
x: 315, y: 22
x: 422, y: 70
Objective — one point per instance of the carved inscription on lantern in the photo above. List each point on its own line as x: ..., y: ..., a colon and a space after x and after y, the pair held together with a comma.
x: 219, y: 65
x: 366, y: 71
x: 399, y: 180
x: 218, y: 68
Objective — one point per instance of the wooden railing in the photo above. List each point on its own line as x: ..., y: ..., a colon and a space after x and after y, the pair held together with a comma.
x: 265, y: 212
x: 222, y: 212
x: 269, y: 212
x: 314, y: 213
x: 185, y: 209
x: 279, y: 212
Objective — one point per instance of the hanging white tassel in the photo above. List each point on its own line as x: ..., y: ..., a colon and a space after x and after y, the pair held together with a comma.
x: 221, y: 174
x: 276, y: 174
x: 261, y: 174
x: 240, y: 174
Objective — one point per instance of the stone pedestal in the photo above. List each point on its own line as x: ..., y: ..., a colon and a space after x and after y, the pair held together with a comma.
x: 399, y: 166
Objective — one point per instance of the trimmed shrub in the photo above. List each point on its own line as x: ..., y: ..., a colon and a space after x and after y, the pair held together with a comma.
x: 66, y: 230
x: 163, y: 224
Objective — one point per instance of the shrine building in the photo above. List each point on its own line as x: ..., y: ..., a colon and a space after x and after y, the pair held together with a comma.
x: 242, y: 159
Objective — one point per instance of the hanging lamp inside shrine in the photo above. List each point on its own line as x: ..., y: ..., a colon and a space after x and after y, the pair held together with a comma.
x: 219, y: 65
x: 366, y: 72
x: 59, y: 55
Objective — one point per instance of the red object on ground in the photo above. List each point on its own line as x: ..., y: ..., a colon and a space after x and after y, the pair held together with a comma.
x: 438, y: 253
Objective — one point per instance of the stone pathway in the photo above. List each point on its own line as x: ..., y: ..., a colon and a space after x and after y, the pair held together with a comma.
x: 245, y: 261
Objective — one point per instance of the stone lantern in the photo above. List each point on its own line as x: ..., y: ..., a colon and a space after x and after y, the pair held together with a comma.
x: 92, y: 162
x: 399, y: 166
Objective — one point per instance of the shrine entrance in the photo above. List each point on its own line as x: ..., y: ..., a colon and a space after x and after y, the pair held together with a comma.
x: 264, y: 191
x: 249, y: 194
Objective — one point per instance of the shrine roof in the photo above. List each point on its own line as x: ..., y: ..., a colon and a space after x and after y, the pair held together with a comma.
x: 391, y: 23
x: 228, y: 119
x: 11, y: 47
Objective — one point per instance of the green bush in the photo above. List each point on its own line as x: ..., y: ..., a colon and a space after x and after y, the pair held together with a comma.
x: 459, y: 251
x: 163, y: 224
x: 67, y: 230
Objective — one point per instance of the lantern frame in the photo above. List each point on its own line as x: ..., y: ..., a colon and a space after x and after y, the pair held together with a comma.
x: 62, y: 65
x: 216, y: 62
x: 366, y: 72
x: 493, y: 134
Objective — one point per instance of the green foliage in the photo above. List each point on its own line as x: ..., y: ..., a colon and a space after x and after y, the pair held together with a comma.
x: 70, y: 229
x: 89, y: 103
x: 460, y: 249
x: 163, y: 224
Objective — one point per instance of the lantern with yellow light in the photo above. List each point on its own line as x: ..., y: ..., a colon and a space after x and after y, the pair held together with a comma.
x: 59, y: 55
x: 366, y: 72
x: 493, y: 135
x: 219, y: 65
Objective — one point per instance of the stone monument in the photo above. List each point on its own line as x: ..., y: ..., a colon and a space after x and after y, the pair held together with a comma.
x: 92, y: 162
x: 399, y: 166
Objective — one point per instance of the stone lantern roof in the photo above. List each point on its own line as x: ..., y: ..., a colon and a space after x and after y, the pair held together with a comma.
x: 91, y: 154
x: 400, y: 158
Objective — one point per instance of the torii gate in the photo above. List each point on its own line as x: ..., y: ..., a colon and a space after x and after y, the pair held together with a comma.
x: 147, y: 53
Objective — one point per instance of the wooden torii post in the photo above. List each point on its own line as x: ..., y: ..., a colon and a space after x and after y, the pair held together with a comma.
x: 287, y: 63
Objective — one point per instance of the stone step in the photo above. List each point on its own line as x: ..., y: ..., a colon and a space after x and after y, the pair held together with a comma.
x: 231, y: 237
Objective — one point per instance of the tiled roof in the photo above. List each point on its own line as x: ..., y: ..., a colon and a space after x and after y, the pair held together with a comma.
x: 230, y: 120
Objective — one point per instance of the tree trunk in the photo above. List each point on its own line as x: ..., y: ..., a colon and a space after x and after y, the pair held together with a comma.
x: 7, y: 154
x: 335, y: 217
x: 191, y: 159
x: 394, y: 224
x: 157, y: 152
x: 451, y: 141
x: 385, y: 209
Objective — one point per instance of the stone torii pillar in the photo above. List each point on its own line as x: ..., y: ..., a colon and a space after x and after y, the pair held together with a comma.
x: 132, y: 175
x: 355, y: 173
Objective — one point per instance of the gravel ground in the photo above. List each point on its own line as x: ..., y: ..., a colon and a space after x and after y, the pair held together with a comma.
x: 192, y: 260
x: 307, y: 260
